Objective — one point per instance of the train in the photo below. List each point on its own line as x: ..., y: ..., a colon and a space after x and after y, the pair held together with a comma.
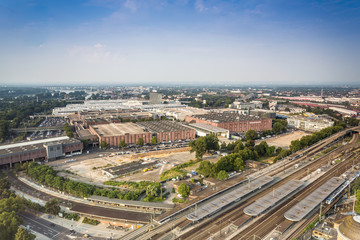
x: 329, y: 200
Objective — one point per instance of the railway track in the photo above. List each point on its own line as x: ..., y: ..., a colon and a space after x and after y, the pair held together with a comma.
x: 88, y: 209
x: 210, y: 225
x: 308, y: 152
x: 273, y: 219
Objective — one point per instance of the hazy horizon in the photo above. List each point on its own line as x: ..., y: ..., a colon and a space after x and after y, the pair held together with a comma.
x: 155, y: 42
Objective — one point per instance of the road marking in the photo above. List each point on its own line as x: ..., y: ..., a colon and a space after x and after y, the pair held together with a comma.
x: 48, y: 228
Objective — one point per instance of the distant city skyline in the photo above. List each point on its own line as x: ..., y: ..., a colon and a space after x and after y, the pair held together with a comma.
x: 181, y: 42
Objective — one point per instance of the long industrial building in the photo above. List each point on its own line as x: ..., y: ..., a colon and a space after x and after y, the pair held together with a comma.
x: 45, y: 149
x: 166, y: 131
x: 113, y: 133
x: 234, y: 122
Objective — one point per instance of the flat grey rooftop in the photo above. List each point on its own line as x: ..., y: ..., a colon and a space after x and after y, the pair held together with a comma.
x: 132, y: 203
x: 116, y: 129
x: 272, y: 198
x: 226, y: 117
x: 305, y: 206
x: 23, y: 144
x: 232, y: 196
x: 163, y: 126
x: 35, y: 145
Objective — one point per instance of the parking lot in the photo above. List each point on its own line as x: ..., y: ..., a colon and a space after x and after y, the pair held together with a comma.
x: 48, y: 122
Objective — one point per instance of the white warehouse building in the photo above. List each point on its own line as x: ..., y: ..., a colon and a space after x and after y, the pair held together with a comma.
x: 311, y: 124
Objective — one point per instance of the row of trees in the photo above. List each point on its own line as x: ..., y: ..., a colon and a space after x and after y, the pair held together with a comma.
x: 46, y: 175
x: 308, y: 140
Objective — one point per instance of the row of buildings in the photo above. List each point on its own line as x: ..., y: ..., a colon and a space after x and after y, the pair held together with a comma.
x: 220, y: 124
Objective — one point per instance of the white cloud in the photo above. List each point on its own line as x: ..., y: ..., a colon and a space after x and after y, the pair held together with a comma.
x: 96, y: 54
x: 130, y: 4
x: 98, y: 45
x: 200, y: 6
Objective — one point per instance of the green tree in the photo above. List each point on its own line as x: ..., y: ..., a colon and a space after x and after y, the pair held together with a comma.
x: 250, y: 143
x: 9, y: 223
x: 140, y: 142
x: 103, y: 145
x: 122, y: 144
x: 278, y: 128
x: 4, y: 188
x: 199, y: 147
x: 251, y: 135
x: 223, y: 145
x: 261, y: 148
x: 152, y: 190
x: 222, y: 175
x: 206, y: 168
x: 52, y: 206
x: 184, y: 190
x: 231, y: 146
x: 239, y: 146
x: 270, y: 151
x: 295, y: 146
x: 154, y: 140
x: 212, y: 142
x: 68, y: 130
x: 23, y: 234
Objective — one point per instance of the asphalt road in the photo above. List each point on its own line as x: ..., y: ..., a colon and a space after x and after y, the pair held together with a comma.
x: 46, y: 228
x: 51, y: 230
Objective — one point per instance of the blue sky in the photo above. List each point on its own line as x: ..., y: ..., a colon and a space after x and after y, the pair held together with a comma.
x: 180, y: 42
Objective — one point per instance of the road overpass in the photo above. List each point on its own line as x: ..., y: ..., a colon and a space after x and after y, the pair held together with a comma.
x: 34, y: 129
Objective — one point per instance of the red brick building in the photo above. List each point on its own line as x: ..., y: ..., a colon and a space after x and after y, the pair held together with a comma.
x: 234, y: 122
x: 113, y: 133
x: 166, y: 131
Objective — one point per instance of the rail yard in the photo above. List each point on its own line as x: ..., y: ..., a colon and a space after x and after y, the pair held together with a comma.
x: 231, y: 222
x: 236, y: 212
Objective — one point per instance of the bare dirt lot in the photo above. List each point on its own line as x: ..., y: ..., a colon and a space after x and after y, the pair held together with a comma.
x: 88, y: 168
x: 284, y: 140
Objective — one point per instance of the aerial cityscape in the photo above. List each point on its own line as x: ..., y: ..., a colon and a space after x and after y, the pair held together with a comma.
x: 191, y: 120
